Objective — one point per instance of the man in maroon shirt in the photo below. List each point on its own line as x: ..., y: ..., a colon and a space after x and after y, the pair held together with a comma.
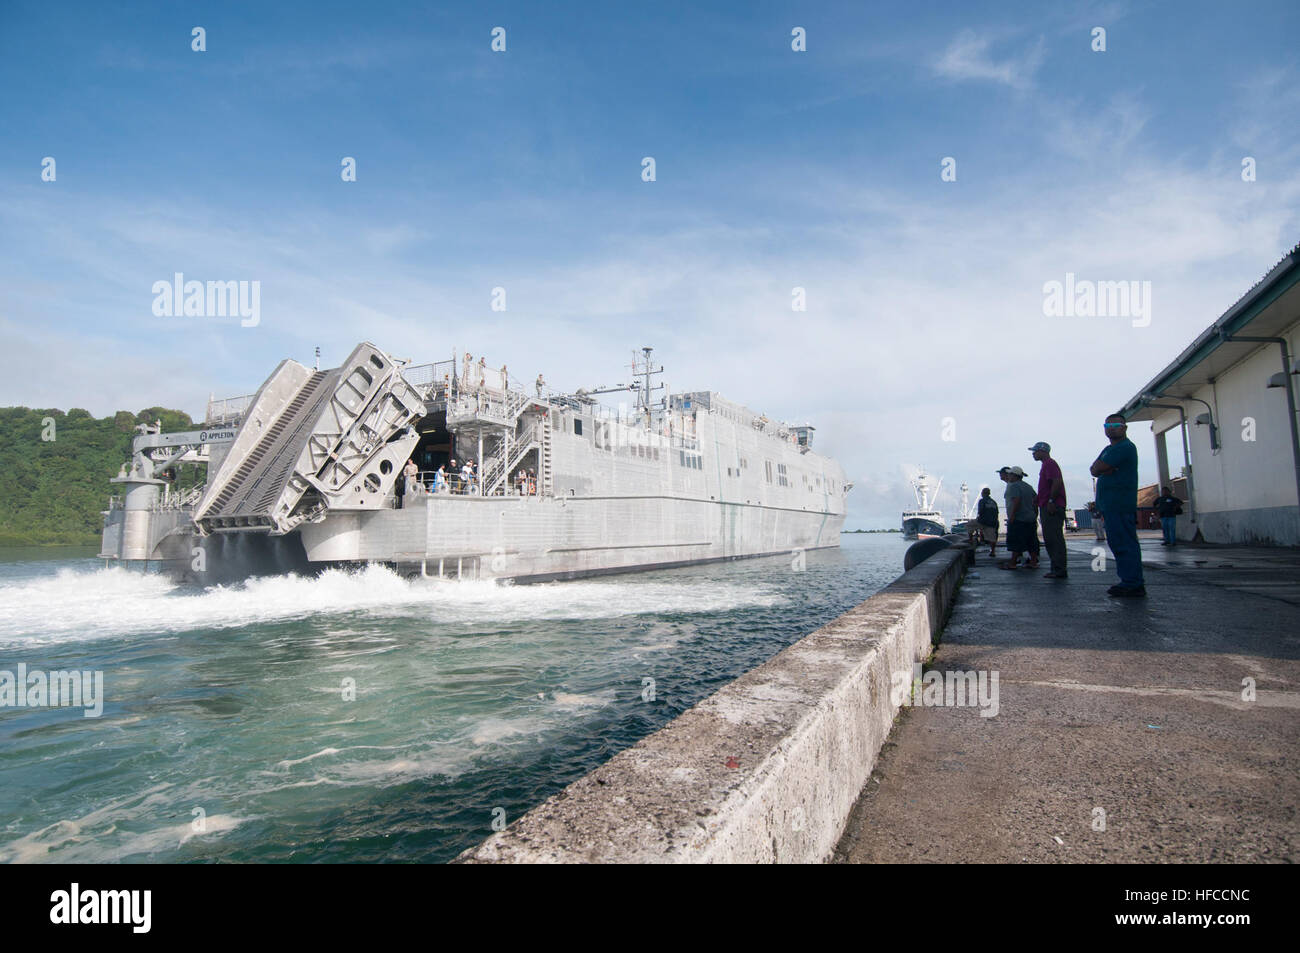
x: 1051, y: 508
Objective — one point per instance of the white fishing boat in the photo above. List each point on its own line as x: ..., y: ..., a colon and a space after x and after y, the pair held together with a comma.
x: 925, y: 521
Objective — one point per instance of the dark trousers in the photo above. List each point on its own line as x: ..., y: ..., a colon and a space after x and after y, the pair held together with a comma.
x: 1170, y: 526
x: 1022, y: 536
x: 1122, y: 535
x: 1054, y: 538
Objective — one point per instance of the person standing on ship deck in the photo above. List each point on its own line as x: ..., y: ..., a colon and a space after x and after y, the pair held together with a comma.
x: 1051, y: 509
x: 412, y: 474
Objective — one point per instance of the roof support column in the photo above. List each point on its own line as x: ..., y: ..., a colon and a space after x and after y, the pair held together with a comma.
x: 1187, y: 459
x: 1162, y: 459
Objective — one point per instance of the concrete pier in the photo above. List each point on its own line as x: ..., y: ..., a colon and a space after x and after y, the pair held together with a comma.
x: 1123, y: 730
x: 1129, y: 730
x: 766, y: 769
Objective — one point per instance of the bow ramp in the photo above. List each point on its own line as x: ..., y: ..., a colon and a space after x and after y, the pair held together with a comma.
x: 314, y: 441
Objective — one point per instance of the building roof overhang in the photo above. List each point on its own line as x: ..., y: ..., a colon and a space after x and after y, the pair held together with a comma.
x: 1266, y: 310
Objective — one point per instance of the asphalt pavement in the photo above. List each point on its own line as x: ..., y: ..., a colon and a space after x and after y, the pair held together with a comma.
x: 1164, y: 729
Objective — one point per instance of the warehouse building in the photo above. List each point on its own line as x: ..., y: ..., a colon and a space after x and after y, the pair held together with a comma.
x: 1232, y: 394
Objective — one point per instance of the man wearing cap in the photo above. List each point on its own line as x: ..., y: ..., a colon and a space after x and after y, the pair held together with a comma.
x: 1051, y: 508
x: 1022, y: 519
x: 1116, y: 470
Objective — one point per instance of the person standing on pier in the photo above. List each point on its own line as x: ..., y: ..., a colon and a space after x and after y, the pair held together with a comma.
x: 986, y: 518
x: 1051, y: 509
x: 1116, y: 470
x: 1022, y: 520
x: 1098, y: 524
x: 1168, y: 507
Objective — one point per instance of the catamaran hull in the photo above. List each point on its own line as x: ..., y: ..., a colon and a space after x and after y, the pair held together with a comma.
x: 533, y: 539
x: 524, y: 539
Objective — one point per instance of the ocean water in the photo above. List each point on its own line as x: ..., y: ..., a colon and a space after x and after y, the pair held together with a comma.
x: 228, y: 733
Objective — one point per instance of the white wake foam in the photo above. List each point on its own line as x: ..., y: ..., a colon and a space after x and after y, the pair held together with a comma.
x: 75, y: 605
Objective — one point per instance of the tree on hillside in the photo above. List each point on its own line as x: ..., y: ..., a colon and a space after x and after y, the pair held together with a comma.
x: 54, y: 490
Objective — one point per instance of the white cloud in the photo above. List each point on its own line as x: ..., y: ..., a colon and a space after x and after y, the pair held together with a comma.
x: 920, y: 306
x: 969, y: 57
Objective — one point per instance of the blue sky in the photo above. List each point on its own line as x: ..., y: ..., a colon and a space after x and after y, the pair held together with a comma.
x: 775, y: 169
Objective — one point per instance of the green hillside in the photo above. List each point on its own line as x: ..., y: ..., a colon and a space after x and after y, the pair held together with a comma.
x: 53, y: 491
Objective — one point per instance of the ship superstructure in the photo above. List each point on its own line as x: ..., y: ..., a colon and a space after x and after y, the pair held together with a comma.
x: 503, y: 480
x: 966, y: 514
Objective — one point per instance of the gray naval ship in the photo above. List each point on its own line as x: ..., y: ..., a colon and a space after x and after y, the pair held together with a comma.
x: 355, y: 465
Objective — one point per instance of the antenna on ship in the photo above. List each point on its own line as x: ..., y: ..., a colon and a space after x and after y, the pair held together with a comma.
x: 645, y: 388
x: 318, y: 357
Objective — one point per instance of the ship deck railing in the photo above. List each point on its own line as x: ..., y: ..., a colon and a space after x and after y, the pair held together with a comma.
x: 229, y: 410
x: 456, y: 487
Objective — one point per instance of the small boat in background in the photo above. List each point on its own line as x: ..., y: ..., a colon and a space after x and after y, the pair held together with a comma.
x: 925, y: 521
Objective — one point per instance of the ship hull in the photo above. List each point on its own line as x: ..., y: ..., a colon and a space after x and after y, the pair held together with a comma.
x: 530, y: 539
x: 921, y: 529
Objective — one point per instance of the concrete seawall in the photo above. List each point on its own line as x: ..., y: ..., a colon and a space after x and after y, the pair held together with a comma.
x: 766, y: 769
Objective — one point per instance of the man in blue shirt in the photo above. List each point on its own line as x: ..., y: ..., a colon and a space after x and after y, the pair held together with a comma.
x: 1116, y: 470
